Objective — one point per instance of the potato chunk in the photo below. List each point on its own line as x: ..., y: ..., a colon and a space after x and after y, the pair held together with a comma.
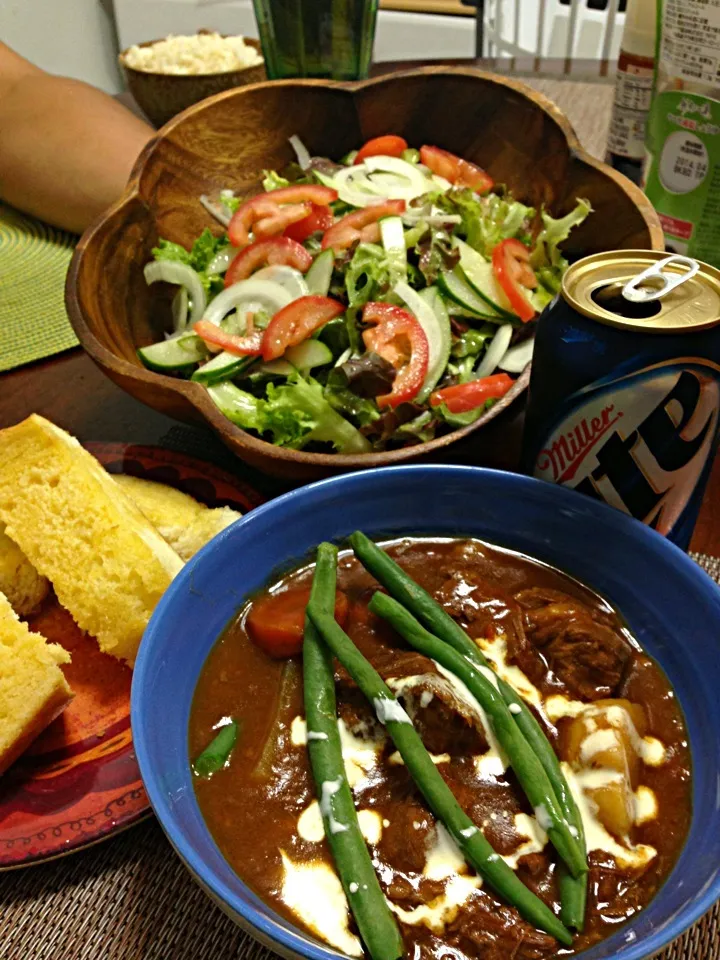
x: 603, y: 739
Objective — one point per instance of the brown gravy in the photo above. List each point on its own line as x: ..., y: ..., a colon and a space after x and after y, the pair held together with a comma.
x: 568, y: 644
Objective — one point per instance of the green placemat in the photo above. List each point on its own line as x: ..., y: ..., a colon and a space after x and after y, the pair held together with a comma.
x: 34, y: 259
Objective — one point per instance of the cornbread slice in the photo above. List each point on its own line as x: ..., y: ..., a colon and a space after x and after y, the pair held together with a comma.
x: 186, y: 524
x: 33, y: 690
x: 108, y: 565
x: 19, y: 580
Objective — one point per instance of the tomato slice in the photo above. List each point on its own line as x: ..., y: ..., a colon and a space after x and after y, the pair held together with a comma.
x: 398, y: 338
x: 296, y: 322
x: 276, y: 621
x: 263, y: 212
x: 460, y: 172
x: 511, y: 265
x: 318, y: 220
x: 467, y: 396
x: 277, y: 251
x: 389, y: 145
x: 249, y: 345
x: 361, y: 225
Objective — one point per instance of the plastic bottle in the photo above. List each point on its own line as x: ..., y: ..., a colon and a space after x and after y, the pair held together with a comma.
x: 633, y: 89
x: 682, y: 175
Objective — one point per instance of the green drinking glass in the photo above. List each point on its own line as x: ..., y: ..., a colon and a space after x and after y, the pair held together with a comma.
x: 326, y: 39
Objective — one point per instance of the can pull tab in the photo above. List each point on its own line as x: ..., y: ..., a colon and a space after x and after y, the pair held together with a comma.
x: 639, y: 291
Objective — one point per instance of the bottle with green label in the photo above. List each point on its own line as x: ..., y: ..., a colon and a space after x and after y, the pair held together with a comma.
x: 682, y: 172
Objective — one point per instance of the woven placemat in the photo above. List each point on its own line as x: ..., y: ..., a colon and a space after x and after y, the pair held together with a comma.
x: 34, y: 259
x: 130, y: 898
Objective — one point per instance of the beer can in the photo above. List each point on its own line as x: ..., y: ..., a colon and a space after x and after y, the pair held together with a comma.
x: 624, y: 396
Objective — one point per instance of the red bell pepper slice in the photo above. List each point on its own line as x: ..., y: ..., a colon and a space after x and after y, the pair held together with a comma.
x: 318, y: 220
x: 248, y: 346
x: 386, y: 146
x: 463, y: 397
x: 265, y: 213
x: 511, y: 265
x: 361, y: 225
x: 398, y: 338
x: 277, y: 251
x: 459, y: 172
x: 296, y: 322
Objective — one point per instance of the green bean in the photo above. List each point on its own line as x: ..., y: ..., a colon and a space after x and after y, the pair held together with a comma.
x: 375, y: 922
x: 428, y: 780
x: 419, y: 602
x: 573, y: 890
x: 526, y: 765
x: 217, y: 753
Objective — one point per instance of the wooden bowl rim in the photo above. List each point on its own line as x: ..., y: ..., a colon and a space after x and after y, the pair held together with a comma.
x: 197, y: 396
x: 253, y: 41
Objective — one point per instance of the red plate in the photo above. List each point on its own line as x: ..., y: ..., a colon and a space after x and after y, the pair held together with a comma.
x: 79, y: 782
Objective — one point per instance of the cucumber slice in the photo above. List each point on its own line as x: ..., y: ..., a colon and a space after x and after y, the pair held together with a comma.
x: 278, y: 368
x: 454, y: 285
x: 481, y: 277
x: 178, y: 355
x: 319, y: 275
x: 309, y: 354
x: 303, y: 357
x: 435, y: 322
x: 325, y: 180
x: 518, y: 357
x: 393, y: 240
x: 224, y: 366
x: 434, y: 300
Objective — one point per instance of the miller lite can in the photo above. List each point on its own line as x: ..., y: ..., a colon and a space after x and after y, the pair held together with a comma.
x: 624, y: 396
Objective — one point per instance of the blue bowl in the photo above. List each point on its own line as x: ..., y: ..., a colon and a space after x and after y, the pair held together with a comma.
x: 671, y: 606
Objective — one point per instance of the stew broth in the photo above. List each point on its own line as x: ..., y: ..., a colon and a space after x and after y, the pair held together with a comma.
x: 562, y: 647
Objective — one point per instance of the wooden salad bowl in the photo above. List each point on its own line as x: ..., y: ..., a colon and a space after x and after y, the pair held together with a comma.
x: 517, y: 134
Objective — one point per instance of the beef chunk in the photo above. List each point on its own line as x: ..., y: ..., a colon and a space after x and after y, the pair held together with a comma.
x: 495, y: 932
x: 583, y: 650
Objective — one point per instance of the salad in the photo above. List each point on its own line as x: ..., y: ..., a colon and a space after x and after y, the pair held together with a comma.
x: 362, y: 305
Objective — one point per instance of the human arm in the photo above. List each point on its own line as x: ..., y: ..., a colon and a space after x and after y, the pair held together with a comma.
x: 66, y: 148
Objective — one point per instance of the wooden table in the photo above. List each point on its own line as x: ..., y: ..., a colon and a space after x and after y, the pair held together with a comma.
x: 71, y: 390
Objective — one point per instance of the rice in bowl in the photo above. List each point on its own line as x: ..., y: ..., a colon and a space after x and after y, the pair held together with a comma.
x: 201, y: 53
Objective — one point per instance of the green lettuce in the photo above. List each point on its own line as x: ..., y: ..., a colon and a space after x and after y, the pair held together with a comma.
x: 487, y: 220
x: 367, y: 275
x: 199, y: 257
x: 546, y: 252
x: 273, y: 181
x: 457, y: 420
x: 421, y: 429
x: 297, y: 413
x: 294, y: 414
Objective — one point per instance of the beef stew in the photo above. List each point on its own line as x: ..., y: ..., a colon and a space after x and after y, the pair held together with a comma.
x: 606, y: 707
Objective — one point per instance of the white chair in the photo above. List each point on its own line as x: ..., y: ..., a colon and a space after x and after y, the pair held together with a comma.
x: 570, y: 29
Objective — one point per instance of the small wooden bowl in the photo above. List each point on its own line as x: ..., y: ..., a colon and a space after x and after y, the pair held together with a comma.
x: 161, y: 96
x: 518, y: 135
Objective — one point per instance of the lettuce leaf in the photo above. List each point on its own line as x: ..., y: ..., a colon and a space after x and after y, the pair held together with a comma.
x: 297, y: 413
x: 367, y: 275
x: 436, y: 254
x: 273, y: 181
x: 198, y: 257
x: 487, y: 220
x: 545, y: 253
x: 361, y: 410
x: 456, y: 420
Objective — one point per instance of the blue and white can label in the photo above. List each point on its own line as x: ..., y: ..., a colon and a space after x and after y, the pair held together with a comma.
x: 641, y: 442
